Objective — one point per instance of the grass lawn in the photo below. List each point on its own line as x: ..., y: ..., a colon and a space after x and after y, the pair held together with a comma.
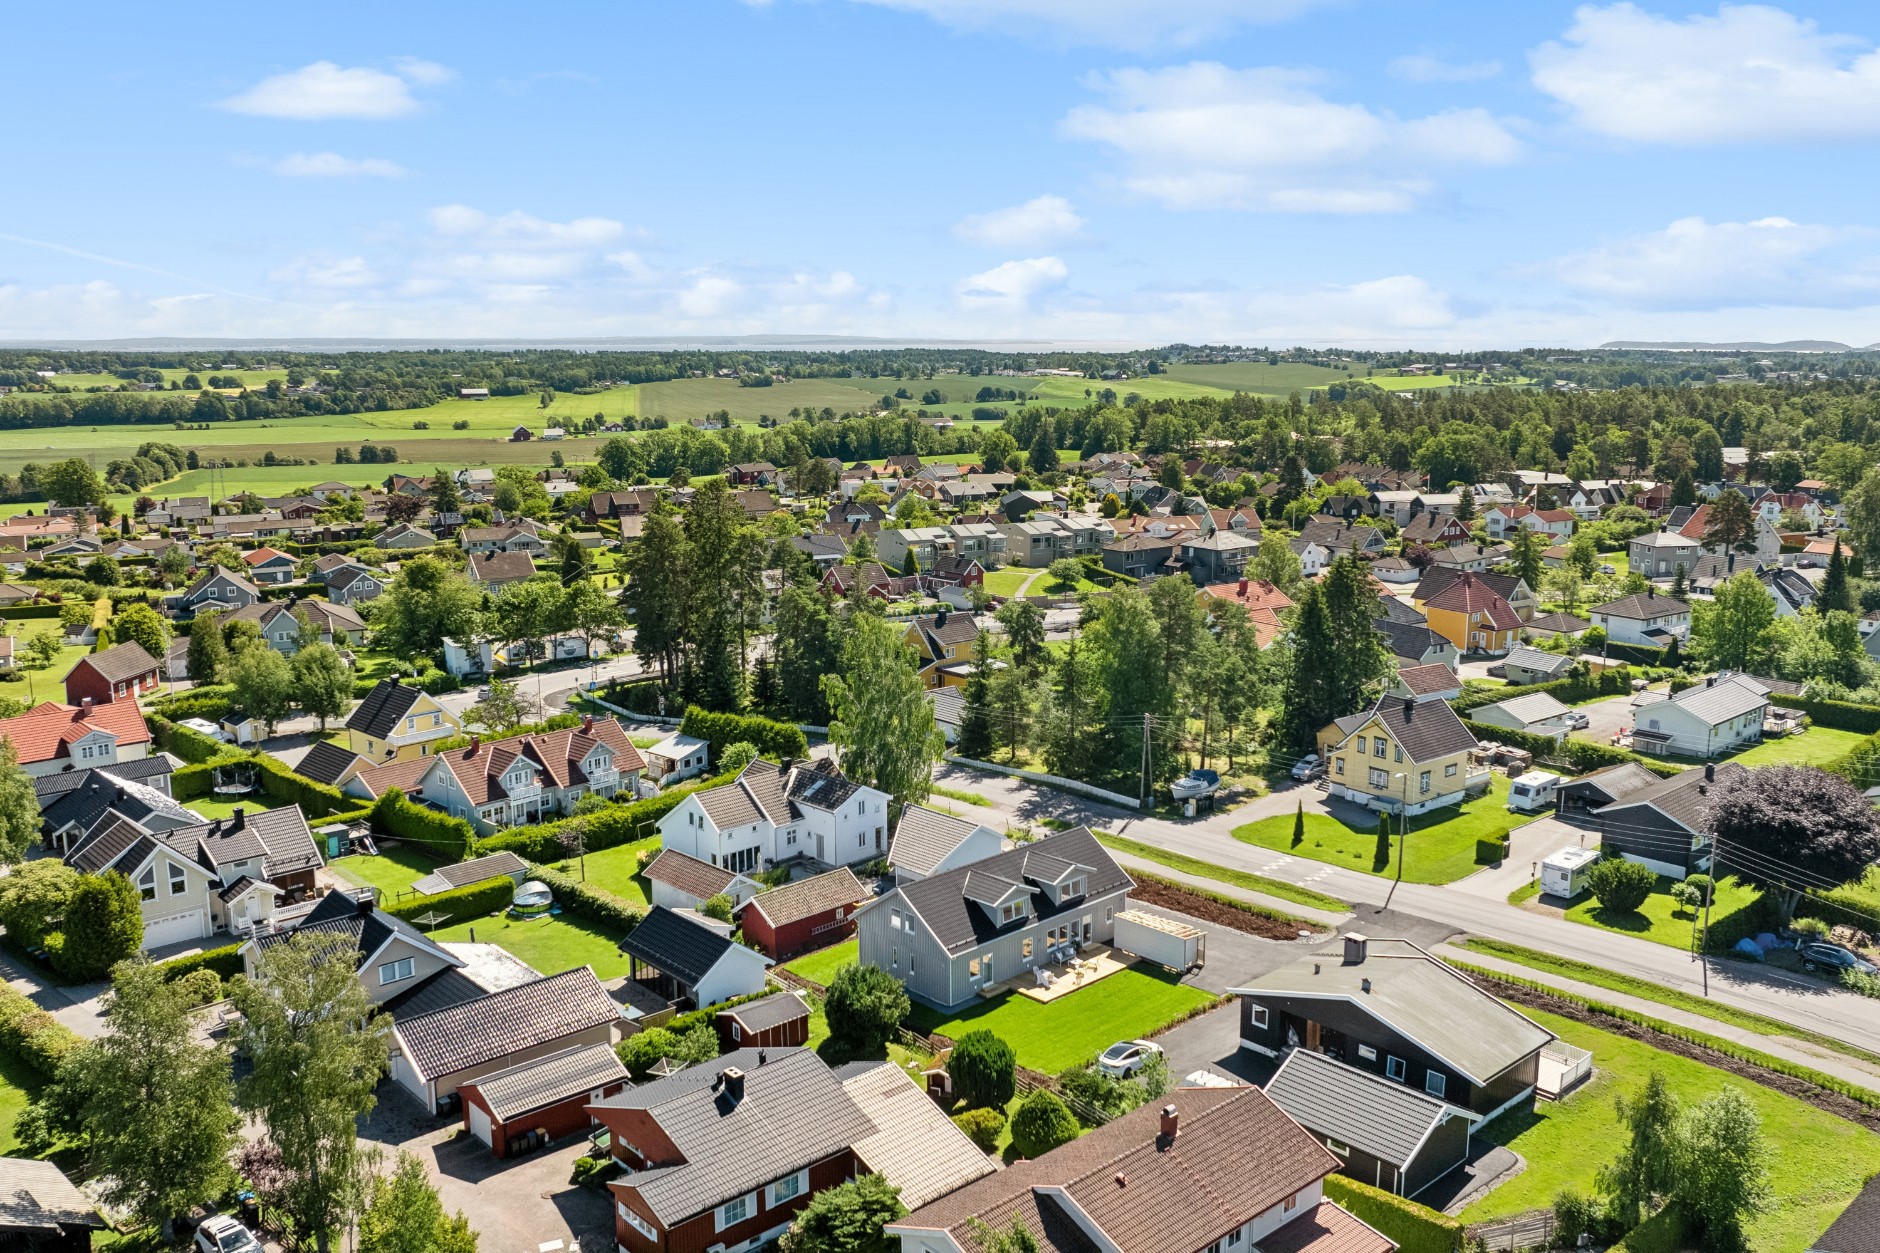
x: 17, y: 1087
x: 213, y: 806
x: 615, y: 869
x: 1006, y: 580
x: 393, y: 871
x: 1659, y: 920
x: 1069, y: 1032
x: 551, y: 945
x: 1820, y: 1163
x: 1810, y: 748
x: 1445, y: 844
x: 821, y: 966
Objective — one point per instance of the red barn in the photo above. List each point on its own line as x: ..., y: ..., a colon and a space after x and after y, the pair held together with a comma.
x: 120, y: 672
x: 780, y: 1020
x: 809, y: 913
x: 527, y: 1106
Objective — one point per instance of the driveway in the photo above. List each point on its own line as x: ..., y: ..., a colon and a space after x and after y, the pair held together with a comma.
x: 1527, y: 846
x: 79, y: 1007
x: 523, y: 1205
x: 1605, y: 718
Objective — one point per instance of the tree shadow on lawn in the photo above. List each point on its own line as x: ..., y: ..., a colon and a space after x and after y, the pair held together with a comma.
x: 1621, y: 920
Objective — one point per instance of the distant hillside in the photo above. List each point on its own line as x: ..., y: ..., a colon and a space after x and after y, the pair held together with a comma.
x: 1788, y: 345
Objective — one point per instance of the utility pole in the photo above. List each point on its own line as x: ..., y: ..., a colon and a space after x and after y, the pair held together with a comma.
x: 1703, y: 945
x: 1403, y: 838
x: 1145, y: 762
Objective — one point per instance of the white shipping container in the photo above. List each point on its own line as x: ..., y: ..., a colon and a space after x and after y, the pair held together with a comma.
x: 1173, y: 944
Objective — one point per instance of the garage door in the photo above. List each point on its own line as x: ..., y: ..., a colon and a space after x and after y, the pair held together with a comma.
x: 174, y: 929
x: 479, y: 1122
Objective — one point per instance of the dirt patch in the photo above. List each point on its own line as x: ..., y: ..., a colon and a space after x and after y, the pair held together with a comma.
x: 1220, y: 913
x: 1801, y: 1089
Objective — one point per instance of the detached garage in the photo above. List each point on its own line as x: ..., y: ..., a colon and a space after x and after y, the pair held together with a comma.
x: 525, y: 1107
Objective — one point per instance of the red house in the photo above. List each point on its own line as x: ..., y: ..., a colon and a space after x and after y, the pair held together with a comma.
x: 780, y: 1020
x: 522, y: 1108
x: 120, y: 672
x: 809, y: 913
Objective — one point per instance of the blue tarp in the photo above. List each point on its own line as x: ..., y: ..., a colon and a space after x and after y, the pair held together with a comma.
x: 1747, y: 947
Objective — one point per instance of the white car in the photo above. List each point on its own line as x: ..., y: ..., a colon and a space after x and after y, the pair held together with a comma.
x: 1308, y: 767
x: 222, y: 1234
x: 1576, y: 720
x: 1121, y: 1060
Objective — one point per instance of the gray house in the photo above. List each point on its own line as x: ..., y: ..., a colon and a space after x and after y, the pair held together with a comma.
x: 1384, y: 1133
x: 951, y: 934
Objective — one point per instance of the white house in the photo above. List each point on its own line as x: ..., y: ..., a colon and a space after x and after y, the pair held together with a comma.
x: 929, y: 843
x: 1722, y: 713
x: 771, y: 813
x: 1644, y: 618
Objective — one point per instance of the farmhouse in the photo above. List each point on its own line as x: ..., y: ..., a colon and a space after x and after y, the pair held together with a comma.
x: 120, y: 672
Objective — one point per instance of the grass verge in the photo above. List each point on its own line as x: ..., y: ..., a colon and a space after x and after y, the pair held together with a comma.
x: 1221, y: 874
x: 821, y: 966
x: 960, y: 794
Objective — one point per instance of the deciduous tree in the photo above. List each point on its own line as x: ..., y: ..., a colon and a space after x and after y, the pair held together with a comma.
x: 404, y: 1215
x: 1796, y: 827
x: 882, y: 723
x: 848, y: 1218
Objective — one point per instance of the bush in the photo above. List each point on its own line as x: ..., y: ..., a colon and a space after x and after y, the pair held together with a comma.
x: 771, y: 739
x: 984, y: 1070
x: 1860, y: 984
x: 224, y: 963
x: 1621, y: 885
x: 450, y: 838
x: 104, y: 925
x: 640, y: 1052
x: 717, y: 906
x: 1580, y: 756
x: 33, y: 1036
x: 203, y: 987
x: 1702, y: 886
x: 1415, y: 1228
x: 864, y: 1006
x: 587, y: 902
x: 982, y: 1127
x: 1042, y: 1123
x: 1838, y: 714
x: 190, y: 745
x: 1811, y: 928
x: 476, y: 900
x: 1576, y: 1214
x: 617, y: 824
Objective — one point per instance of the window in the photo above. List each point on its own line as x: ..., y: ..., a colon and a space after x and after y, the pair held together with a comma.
x: 1338, y: 765
x: 894, y: 919
x: 737, y: 1032
x: 1368, y: 1053
x: 1394, y: 1068
x: 972, y: 969
x: 1342, y: 1149
x: 1434, y: 1083
x: 1377, y: 747
x: 1400, y: 753
x: 734, y: 1211
x: 639, y: 1224
x: 1234, y: 1237
x: 178, y: 880
x: 861, y: 806
x: 1360, y: 746
x: 1259, y: 1016
x: 1380, y: 778
x: 1012, y: 913
x: 786, y: 1188
x: 1290, y: 1204
x: 1423, y: 782
x: 1449, y: 771
x: 1025, y: 949
x: 147, y: 885
x: 393, y: 971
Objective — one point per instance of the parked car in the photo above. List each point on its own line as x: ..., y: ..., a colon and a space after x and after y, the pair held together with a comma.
x: 1806, y: 563
x: 1607, y: 570
x: 1124, y: 1059
x: 1576, y: 720
x: 1308, y: 767
x: 221, y: 1234
x: 1833, y: 958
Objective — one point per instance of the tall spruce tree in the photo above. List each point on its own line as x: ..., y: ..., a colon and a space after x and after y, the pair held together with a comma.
x: 975, y: 740
x: 1835, y: 593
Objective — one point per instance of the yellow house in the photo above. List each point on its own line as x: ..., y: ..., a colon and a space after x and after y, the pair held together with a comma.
x: 944, y: 644
x: 1401, y: 754
x: 398, y: 722
x: 1473, y: 616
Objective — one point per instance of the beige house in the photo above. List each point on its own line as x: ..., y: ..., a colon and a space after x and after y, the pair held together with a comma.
x: 398, y: 722
x: 1402, y: 755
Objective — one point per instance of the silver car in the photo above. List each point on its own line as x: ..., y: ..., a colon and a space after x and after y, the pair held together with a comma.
x: 222, y: 1234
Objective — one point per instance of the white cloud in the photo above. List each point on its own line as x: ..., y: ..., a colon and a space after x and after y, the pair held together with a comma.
x: 1205, y: 136
x: 333, y: 165
x: 326, y: 272
x: 518, y: 229
x: 1421, y: 67
x: 1696, y: 264
x: 1118, y: 23
x: 1012, y: 285
x: 1038, y: 223
x: 1751, y: 73
x: 709, y: 295
x: 324, y: 90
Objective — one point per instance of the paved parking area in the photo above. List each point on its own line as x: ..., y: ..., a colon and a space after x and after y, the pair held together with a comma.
x: 1605, y: 718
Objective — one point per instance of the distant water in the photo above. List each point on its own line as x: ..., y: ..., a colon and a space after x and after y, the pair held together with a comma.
x: 623, y: 343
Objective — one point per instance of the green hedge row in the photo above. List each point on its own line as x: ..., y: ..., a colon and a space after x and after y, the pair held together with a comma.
x: 1580, y: 756
x: 555, y: 722
x: 585, y: 901
x: 1415, y: 1228
x: 208, y: 701
x: 431, y: 681
x: 181, y: 741
x: 610, y: 827
x: 780, y: 740
x: 315, y: 798
x: 38, y: 610
x: 225, y: 961
x: 450, y: 838
x: 33, y: 1036
x: 478, y: 900
x: 1613, y: 682
x: 1840, y: 715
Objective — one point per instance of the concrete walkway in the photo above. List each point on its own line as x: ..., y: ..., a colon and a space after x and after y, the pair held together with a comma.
x: 1801, y: 1052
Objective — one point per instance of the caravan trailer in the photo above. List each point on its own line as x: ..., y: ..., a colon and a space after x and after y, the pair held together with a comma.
x: 1532, y: 792
x: 1563, y: 874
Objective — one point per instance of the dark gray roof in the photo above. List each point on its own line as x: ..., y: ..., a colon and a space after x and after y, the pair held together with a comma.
x: 1562, y: 622
x: 793, y: 1113
x: 143, y: 770
x: 1401, y: 611
x: 120, y: 661
x: 1409, y: 641
x: 449, y: 986
x: 1642, y: 605
x: 37, y: 1197
x: 378, y: 714
x: 684, y: 949
x: 944, y: 902
x: 326, y: 762
x: 768, y: 1011
x: 114, y: 841
x: 1613, y: 783
x: 279, y: 836
x: 507, y: 1022
x: 1857, y: 1230
x: 107, y: 789
x: 1367, y: 1111
x: 1679, y: 798
x: 1436, y: 578
x: 927, y: 837
x: 550, y: 1080
x: 464, y: 873
x: 1424, y: 731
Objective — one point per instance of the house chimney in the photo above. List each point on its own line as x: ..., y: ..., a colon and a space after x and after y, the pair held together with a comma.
x: 733, y: 1080
x: 1356, y: 948
x: 587, y: 724
x: 1365, y: 984
x: 362, y: 904
x: 240, y: 819
x: 1710, y: 681
x: 762, y: 1057
x: 1243, y: 589
x: 476, y: 742
x: 1171, y: 1124
x: 940, y: 619
x: 84, y: 707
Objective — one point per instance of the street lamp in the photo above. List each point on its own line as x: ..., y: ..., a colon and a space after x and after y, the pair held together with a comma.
x: 1403, y: 833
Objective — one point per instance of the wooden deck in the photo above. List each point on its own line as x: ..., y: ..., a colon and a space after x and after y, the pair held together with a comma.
x: 1099, y: 961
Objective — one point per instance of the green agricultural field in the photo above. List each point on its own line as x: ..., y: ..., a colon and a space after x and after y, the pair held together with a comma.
x: 1071, y: 393
x: 1258, y: 377
x: 1072, y: 1030
x: 1819, y: 1163
x: 1445, y: 844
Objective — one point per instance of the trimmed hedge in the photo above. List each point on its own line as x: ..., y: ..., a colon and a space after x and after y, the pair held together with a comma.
x: 1580, y: 756
x: 1614, y: 682
x: 32, y: 1035
x: 590, y: 903
x: 208, y: 701
x: 181, y: 741
x: 781, y: 740
x: 225, y: 961
x: 449, y: 837
x: 1839, y: 715
x: 38, y: 609
x: 1415, y: 1228
x: 478, y: 900
x: 283, y: 785
x: 615, y: 825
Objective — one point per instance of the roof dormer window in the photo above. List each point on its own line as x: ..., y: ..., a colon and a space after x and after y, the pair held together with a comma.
x: 1012, y: 912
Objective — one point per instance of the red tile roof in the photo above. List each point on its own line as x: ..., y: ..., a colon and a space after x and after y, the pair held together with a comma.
x: 264, y: 554
x: 1253, y: 593
x: 45, y: 733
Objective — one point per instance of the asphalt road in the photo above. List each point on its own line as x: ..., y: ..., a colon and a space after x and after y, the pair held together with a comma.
x: 1804, y: 1002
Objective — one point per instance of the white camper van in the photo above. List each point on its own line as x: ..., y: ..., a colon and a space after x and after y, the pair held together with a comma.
x: 1532, y: 792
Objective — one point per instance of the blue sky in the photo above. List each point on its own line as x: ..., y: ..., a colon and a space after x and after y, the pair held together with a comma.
x: 1261, y: 171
